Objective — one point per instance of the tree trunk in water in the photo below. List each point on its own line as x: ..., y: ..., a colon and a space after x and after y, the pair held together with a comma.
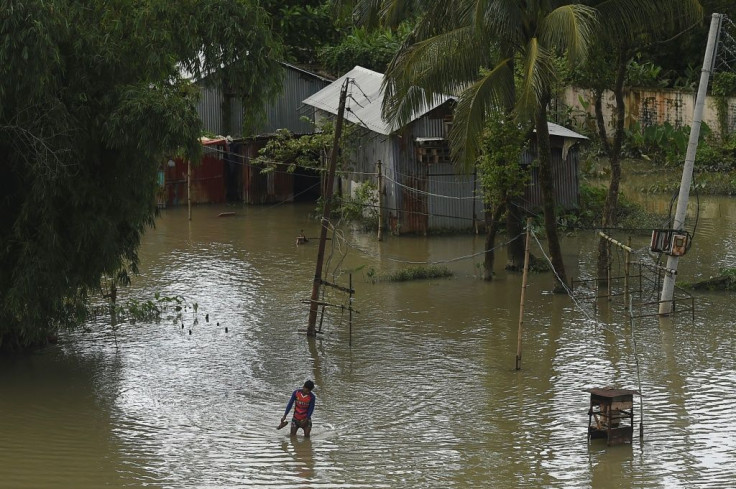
x: 610, y: 208
x: 492, y: 217
x: 514, y: 228
x: 546, y: 184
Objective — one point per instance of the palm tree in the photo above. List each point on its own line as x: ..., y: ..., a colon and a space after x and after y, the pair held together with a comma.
x: 473, y: 48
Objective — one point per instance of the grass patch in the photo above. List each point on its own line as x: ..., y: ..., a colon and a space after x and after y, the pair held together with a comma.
x: 725, y: 281
x: 414, y: 273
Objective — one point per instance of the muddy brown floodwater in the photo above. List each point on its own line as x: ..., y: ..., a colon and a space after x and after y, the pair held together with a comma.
x: 418, y: 390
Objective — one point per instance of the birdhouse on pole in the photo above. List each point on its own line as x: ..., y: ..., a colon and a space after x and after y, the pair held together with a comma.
x: 611, y: 414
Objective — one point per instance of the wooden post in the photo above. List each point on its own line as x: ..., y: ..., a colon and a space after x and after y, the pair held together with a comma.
x: 350, y: 310
x: 189, y: 188
x: 523, y: 293
x: 627, y: 266
x: 380, y: 204
x: 313, y: 305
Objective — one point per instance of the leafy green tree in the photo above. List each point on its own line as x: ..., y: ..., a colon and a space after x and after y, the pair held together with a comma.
x: 92, y: 101
x: 502, y: 176
x: 626, y: 28
x: 682, y: 58
x: 370, y: 48
x: 305, y: 26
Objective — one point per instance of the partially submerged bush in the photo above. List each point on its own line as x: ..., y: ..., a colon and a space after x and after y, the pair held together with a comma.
x: 413, y: 273
x: 592, y: 199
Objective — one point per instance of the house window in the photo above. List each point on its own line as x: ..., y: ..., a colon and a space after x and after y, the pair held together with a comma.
x: 432, y: 151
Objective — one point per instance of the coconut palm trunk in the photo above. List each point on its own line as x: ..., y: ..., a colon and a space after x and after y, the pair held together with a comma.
x: 546, y: 184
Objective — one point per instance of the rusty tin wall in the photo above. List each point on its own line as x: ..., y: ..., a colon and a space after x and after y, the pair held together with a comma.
x: 207, y: 187
x: 260, y: 188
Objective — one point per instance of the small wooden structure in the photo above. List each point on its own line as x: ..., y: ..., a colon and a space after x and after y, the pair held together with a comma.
x: 611, y: 414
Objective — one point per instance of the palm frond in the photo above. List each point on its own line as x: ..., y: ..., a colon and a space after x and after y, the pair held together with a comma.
x: 368, y: 12
x: 442, y: 16
x: 504, y: 18
x: 623, y: 20
x: 538, y: 73
x: 441, y: 65
x: 570, y: 29
x: 491, y: 94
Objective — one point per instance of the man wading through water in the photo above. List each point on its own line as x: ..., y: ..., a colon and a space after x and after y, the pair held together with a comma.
x: 303, y: 401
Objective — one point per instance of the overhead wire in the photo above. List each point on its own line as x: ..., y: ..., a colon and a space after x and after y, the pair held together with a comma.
x: 597, y: 323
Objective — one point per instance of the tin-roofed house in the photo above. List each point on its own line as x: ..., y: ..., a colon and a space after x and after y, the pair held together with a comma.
x: 423, y: 190
x: 225, y: 173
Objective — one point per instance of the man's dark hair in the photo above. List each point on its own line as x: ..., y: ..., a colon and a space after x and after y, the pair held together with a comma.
x: 309, y: 385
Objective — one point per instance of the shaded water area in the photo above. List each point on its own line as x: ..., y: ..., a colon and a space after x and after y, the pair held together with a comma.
x: 418, y: 390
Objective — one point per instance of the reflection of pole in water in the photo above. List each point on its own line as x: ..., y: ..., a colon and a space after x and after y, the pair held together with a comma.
x: 316, y: 362
x: 304, y: 455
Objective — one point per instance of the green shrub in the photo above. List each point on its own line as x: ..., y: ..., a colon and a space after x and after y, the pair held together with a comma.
x: 592, y: 201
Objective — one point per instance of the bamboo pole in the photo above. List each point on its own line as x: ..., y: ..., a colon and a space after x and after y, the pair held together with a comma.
x: 380, y: 203
x: 523, y: 293
x: 617, y: 243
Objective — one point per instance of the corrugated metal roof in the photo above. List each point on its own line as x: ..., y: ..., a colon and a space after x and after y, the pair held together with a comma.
x: 306, y: 72
x: 558, y: 130
x: 365, y: 99
x: 364, y: 102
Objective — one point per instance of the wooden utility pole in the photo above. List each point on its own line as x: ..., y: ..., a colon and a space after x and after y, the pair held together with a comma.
x: 668, y: 284
x: 380, y: 204
x: 523, y: 293
x: 313, y: 302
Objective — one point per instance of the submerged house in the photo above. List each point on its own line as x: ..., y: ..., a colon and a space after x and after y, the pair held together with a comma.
x: 422, y: 191
x: 225, y: 173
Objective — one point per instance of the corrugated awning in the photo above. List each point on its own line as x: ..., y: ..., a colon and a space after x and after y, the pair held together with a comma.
x: 212, y: 141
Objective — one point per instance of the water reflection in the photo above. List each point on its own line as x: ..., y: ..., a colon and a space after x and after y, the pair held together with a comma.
x: 426, y: 396
x: 300, y: 449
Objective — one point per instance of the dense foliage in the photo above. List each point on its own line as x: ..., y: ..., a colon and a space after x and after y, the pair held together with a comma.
x: 501, y: 173
x: 372, y: 49
x: 92, y: 100
x: 304, y: 26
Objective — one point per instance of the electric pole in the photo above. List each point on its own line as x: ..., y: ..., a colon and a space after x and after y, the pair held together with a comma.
x: 668, y: 284
x: 313, y: 303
